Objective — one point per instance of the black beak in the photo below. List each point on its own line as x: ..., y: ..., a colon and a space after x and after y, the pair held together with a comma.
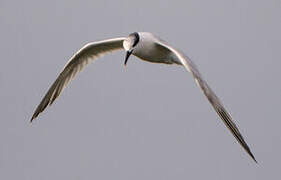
x: 127, y: 56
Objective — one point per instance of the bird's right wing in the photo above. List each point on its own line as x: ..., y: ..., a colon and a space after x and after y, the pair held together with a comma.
x: 209, y: 93
x: 76, y: 63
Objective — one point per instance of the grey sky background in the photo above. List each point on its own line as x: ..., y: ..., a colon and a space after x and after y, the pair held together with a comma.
x: 148, y: 121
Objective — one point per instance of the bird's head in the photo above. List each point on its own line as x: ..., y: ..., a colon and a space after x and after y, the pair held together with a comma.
x: 129, y: 44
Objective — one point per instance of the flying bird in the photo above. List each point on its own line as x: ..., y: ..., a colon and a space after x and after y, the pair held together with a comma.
x: 147, y: 47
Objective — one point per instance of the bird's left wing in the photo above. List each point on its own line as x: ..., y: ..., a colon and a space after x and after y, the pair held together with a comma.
x: 211, y: 96
x: 76, y: 63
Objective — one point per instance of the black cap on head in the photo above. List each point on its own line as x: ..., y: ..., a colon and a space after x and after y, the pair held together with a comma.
x: 136, y: 38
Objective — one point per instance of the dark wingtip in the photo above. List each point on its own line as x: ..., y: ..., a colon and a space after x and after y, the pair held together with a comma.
x: 252, y: 156
x: 33, y: 117
x: 30, y: 122
x: 246, y: 147
x: 255, y: 160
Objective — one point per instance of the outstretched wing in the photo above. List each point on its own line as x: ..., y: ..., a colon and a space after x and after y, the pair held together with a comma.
x: 77, y: 62
x: 211, y: 96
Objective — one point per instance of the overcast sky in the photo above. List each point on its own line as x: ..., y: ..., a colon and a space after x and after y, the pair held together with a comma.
x: 148, y: 121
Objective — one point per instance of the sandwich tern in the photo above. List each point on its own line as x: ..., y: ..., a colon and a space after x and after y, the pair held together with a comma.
x: 149, y: 48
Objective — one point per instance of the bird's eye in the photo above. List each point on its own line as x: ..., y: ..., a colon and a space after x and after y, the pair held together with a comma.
x: 136, y: 39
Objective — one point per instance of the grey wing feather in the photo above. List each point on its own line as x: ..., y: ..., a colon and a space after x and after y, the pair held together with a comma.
x: 76, y: 63
x: 211, y: 96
